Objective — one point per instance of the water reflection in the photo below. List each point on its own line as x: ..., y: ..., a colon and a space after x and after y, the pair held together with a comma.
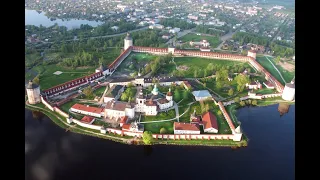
x: 147, y: 150
x: 283, y: 108
x: 37, y: 116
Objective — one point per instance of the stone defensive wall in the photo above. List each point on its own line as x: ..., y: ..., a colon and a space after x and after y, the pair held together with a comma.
x: 226, y: 116
x: 73, y: 84
x: 159, y: 51
x: 139, y: 134
x: 194, y: 136
x: 113, y: 66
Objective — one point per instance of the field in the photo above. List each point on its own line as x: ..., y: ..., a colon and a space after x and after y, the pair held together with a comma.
x: 265, y: 91
x: 288, y: 76
x: 99, y: 91
x: 155, y: 127
x: 48, y: 79
x: 199, y: 64
x: 213, y: 40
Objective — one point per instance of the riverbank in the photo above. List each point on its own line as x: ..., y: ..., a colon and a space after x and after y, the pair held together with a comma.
x: 60, y: 121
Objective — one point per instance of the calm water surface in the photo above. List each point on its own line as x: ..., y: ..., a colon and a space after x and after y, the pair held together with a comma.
x: 32, y: 17
x: 51, y: 153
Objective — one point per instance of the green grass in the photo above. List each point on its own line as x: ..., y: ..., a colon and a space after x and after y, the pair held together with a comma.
x: 265, y: 91
x: 99, y: 91
x: 32, y: 59
x: 197, y: 63
x: 232, y: 110
x: 65, y: 107
x: 142, y: 59
x: 288, y: 76
x: 48, y: 79
x: 156, y: 126
x: 214, y: 41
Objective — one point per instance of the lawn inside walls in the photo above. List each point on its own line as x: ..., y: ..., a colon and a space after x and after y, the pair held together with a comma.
x: 156, y: 126
x: 288, y: 76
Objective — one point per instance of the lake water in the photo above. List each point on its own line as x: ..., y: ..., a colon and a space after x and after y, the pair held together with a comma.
x: 53, y: 154
x: 32, y: 17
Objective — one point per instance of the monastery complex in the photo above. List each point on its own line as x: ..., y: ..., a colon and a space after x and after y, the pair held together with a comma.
x: 152, y: 104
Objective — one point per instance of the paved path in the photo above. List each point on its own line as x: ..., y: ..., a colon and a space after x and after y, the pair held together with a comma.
x: 276, y: 69
x: 180, y: 34
x: 104, y: 93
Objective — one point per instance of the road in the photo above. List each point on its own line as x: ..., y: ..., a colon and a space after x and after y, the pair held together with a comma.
x: 107, y: 36
x: 180, y: 34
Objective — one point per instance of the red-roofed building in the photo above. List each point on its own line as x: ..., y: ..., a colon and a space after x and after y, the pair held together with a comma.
x: 187, y: 85
x: 88, y: 119
x: 126, y: 127
x: 186, y: 128
x: 123, y: 120
x: 210, y: 124
x: 87, y: 110
x: 268, y: 85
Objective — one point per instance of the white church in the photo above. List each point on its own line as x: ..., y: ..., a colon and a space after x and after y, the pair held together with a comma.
x: 148, y: 105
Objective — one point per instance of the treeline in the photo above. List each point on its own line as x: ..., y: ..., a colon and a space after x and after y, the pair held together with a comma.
x: 285, y: 43
x: 245, y: 38
x: 212, y: 30
x: 80, y: 59
x: 179, y: 23
x: 281, y: 51
x: 156, y: 64
x: 150, y: 38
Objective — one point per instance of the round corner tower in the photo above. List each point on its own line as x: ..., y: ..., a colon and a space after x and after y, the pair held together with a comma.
x: 288, y: 93
x: 252, y: 53
x: 127, y: 42
x: 33, y: 92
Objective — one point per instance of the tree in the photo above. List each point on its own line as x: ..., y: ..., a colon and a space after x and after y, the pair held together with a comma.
x: 176, y: 95
x: 236, y: 99
x: 195, y: 73
x: 219, y: 113
x: 150, y: 88
x: 185, y: 94
x: 88, y: 91
x: 207, y: 107
x: 163, y: 130
x: 254, y: 102
x: 241, y: 80
x: 242, y: 103
x: 219, y: 84
x: 36, y: 80
x: 230, y: 92
x: 205, y: 73
x: 147, y: 137
x: 277, y: 60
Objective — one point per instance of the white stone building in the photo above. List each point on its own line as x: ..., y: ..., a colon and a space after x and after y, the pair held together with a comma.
x: 87, y: 110
x: 118, y: 109
x: 127, y: 42
x: 185, y: 128
x: 201, y: 95
x: 288, y: 93
x: 209, y: 122
x: 33, y: 93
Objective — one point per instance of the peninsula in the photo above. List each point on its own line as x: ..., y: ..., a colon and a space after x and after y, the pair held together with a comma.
x: 163, y: 109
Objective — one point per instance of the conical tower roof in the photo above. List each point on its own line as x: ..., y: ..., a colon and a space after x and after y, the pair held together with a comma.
x: 31, y: 85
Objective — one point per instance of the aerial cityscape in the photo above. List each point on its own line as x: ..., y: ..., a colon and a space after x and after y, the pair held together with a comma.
x: 161, y: 72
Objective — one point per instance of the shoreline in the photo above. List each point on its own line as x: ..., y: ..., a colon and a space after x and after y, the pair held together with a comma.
x: 57, y: 119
